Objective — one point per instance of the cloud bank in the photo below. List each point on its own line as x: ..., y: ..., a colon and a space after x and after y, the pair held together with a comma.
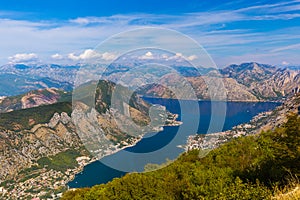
x: 262, y: 32
x: 23, y: 58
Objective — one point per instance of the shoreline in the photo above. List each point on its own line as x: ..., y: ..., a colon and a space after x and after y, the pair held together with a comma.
x: 213, y: 140
x: 214, y: 100
x: 80, y: 168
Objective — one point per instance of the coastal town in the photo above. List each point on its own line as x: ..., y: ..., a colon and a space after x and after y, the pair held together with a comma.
x: 43, y: 182
x: 262, y: 122
x: 55, y: 181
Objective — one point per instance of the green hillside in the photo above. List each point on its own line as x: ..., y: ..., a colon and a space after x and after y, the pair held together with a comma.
x: 252, y: 167
x: 27, y: 118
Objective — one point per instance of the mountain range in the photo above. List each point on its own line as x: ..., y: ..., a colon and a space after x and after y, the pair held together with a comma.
x: 244, y: 82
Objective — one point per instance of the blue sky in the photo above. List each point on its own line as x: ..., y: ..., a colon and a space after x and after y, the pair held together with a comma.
x: 231, y: 32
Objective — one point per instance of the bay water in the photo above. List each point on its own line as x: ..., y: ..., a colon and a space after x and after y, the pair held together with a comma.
x: 198, y: 117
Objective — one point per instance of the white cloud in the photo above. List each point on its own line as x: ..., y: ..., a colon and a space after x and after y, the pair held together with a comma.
x: 108, y: 56
x: 86, y: 55
x: 206, y: 27
x: 81, y: 20
x: 72, y: 56
x: 23, y: 58
x: 177, y: 56
x: 180, y: 57
x: 192, y: 57
x: 164, y: 56
x: 46, y: 36
x: 148, y: 55
x: 285, y: 63
x: 57, y: 56
x: 90, y: 54
x: 120, y: 19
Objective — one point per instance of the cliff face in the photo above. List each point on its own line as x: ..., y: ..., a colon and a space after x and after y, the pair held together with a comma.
x: 265, y: 82
x: 233, y: 90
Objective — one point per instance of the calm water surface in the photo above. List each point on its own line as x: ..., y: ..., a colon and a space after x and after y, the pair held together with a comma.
x: 198, y: 117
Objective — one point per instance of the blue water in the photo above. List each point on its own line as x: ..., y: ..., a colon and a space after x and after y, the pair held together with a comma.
x: 197, y: 117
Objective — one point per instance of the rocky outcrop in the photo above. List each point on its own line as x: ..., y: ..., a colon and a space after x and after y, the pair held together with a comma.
x: 20, y: 150
x: 232, y: 89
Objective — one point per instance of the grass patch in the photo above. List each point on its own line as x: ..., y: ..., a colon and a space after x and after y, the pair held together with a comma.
x: 61, y: 161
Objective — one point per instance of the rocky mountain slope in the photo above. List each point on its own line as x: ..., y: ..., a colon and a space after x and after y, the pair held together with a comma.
x: 41, y: 148
x: 245, y: 82
x: 33, y: 99
x: 28, y: 138
x: 282, y: 83
x: 60, y: 73
x: 264, y: 81
x: 247, y: 73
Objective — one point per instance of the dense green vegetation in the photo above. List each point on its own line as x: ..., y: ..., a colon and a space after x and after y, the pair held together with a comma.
x: 245, y: 168
x: 20, y: 119
x: 61, y: 161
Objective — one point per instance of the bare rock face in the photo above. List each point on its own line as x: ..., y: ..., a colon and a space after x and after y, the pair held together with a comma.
x: 28, y: 146
x: 64, y: 118
x: 284, y: 82
x: 40, y: 97
x: 54, y: 120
